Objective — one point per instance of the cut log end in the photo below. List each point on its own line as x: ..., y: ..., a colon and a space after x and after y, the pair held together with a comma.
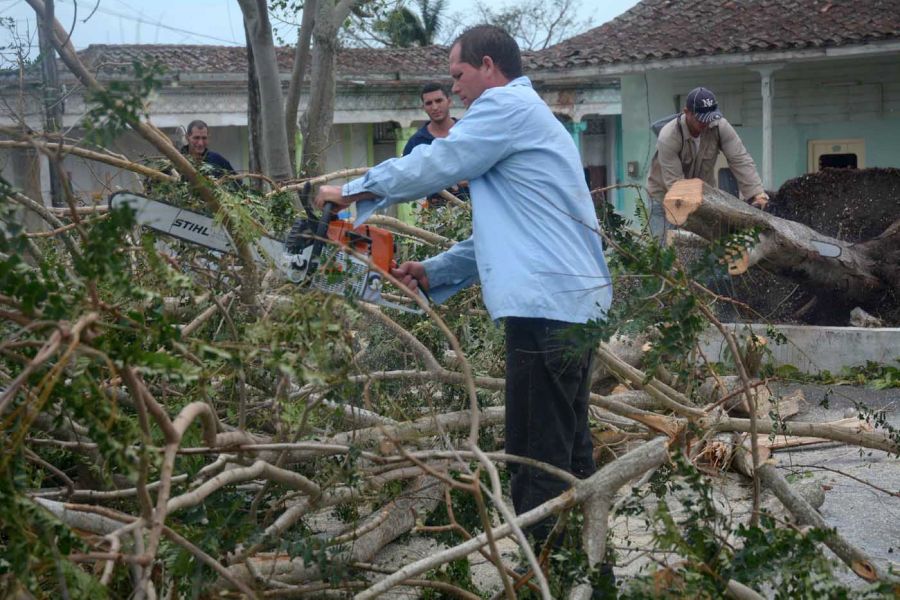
x: 865, y: 570
x: 682, y: 199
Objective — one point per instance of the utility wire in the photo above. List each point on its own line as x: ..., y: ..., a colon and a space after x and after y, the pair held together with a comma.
x: 141, y: 20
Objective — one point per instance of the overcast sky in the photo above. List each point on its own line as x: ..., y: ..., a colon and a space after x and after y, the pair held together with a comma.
x: 196, y: 21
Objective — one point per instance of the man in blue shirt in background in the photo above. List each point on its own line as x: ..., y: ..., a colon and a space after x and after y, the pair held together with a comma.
x: 535, y: 249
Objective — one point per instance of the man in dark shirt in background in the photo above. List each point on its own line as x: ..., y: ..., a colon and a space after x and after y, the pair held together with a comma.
x: 436, y: 102
x: 197, y: 136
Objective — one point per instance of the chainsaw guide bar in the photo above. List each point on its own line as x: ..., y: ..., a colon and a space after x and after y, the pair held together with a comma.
x: 303, y: 259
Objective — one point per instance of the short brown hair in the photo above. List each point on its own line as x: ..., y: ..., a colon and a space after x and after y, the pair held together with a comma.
x: 489, y: 40
x: 195, y: 124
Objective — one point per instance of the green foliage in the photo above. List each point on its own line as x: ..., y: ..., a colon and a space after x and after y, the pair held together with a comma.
x: 465, y: 511
x: 268, y: 367
x: 877, y: 376
x: 34, y: 543
x: 102, y: 256
x: 456, y: 572
x: 326, y: 558
x: 614, y: 225
x: 405, y: 28
x: 129, y: 282
x: 654, y: 291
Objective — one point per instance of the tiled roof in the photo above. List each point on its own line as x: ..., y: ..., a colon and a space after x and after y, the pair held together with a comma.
x: 651, y: 30
x: 117, y: 59
x: 666, y: 29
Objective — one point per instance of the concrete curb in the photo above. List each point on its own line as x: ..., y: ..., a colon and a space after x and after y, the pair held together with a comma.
x: 814, y: 349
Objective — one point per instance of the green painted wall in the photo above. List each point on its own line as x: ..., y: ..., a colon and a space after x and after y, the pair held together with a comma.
x: 882, y: 143
x: 645, y: 98
x: 837, y: 99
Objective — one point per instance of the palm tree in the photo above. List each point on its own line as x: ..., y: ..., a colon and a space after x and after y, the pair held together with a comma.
x: 404, y: 28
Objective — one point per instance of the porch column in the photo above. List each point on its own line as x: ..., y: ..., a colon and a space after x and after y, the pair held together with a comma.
x: 403, y: 135
x: 576, y: 128
x: 404, y: 209
x: 768, y: 148
x: 27, y: 175
x: 298, y: 151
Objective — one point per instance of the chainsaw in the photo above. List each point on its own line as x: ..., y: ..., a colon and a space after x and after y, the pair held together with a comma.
x: 305, y: 257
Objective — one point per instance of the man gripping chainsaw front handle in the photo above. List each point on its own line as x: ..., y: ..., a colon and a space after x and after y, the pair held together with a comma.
x: 535, y: 249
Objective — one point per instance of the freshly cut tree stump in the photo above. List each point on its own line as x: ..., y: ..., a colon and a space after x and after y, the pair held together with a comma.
x: 856, y: 271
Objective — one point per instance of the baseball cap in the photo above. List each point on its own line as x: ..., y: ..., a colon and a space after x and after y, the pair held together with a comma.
x: 702, y: 103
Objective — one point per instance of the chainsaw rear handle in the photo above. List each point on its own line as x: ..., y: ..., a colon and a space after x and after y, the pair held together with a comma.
x: 322, y: 232
x: 306, y: 201
x: 327, y: 217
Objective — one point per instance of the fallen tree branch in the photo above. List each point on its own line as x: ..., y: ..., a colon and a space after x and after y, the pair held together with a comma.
x: 50, y: 218
x: 669, y: 397
x: 411, y: 230
x: 786, y: 247
x: 847, y: 475
x: 256, y: 470
x: 412, y: 341
x: 610, y: 477
x: 497, y: 497
x: 206, y: 315
x: 874, y: 440
x: 77, y: 517
x: 425, y: 426
x: 859, y: 562
x: 421, y: 497
x: 90, y: 155
x: 299, y: 184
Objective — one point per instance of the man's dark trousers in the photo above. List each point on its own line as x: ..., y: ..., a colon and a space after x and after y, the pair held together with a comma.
x: 547, y: 392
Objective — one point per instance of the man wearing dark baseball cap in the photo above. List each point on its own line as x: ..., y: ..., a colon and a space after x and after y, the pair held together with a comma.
x: 702, y: 103
x: 688, y: 147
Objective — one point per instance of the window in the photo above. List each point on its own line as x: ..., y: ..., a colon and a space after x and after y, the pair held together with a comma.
x: 385, y: 133
x: 838, y: 161
x: 836, y: 154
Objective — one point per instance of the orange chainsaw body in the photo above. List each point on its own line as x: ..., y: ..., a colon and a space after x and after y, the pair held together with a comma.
x: 375, y: 243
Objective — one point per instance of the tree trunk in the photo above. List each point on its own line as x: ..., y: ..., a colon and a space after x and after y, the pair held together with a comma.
x: 301, y: 62
x: 276, y: 163
x: 320, y: 114
x: 886, y: 247
x: 790, y: 249
x: 253, y: 114
x: 51, y: 99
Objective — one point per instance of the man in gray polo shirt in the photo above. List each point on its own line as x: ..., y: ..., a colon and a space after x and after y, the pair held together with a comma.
x: 688, y: 147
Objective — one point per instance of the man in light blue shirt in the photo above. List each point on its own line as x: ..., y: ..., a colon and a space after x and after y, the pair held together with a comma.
x: 535, y: 249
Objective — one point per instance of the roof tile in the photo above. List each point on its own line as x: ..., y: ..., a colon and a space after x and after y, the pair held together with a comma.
x: 659, y: 29
x: 428, y: 61
x: 651, y: 30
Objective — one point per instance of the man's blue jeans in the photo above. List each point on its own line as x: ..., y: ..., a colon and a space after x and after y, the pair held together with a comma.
x: 547, y: 393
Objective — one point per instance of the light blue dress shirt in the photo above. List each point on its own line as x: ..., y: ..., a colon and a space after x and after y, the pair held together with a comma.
x: 535, y: 246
